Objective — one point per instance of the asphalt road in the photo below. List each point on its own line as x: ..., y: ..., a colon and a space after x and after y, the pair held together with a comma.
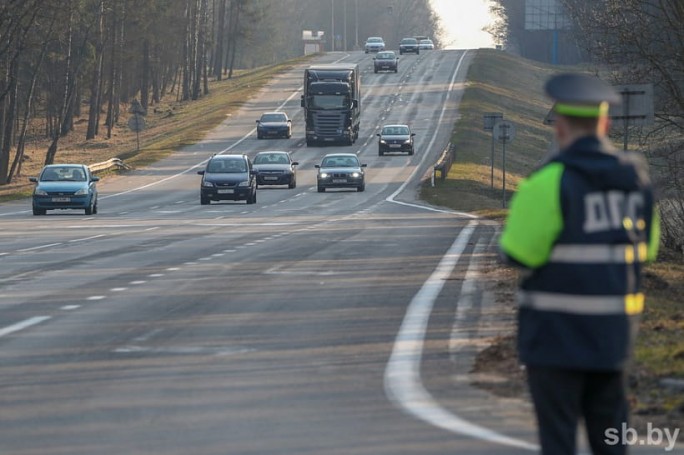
x: 307, y: 323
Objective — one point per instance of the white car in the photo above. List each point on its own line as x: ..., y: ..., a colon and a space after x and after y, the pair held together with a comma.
x: 374, y: 44
x: 426, y: 44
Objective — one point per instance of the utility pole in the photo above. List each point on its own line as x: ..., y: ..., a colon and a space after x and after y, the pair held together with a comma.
x: 332, y: 25
x: 356, y: 24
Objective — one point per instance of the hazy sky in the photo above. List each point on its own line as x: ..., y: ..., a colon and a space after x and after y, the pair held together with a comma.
x: 463, y: 21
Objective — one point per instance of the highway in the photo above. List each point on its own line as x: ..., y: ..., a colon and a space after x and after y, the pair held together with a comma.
x: 308, y: 323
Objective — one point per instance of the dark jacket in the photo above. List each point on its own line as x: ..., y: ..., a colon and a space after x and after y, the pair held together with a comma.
x: 584, y: 224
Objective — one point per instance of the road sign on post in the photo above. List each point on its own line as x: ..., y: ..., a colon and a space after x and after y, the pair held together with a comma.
x: 504, y: 132
x: 137, y: 123
x: 490, y: 119
x: 636, y: 107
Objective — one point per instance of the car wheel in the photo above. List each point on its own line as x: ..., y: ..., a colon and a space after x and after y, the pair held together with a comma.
x: 204, y: 201
x: 375, y: 70
x: 259, y: 136
x: 310, y: 143
x: 396, y: 70
x: 95, y: 208
x: 321, y: 189
x: 410, y: 152
x: 381, y: 153
x: 293, y: 184
x: 360, y: 188
x: 39, y: 212
x: 89, y: 209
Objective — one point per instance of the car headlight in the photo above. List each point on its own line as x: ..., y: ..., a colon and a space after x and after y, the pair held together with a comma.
x: 382, y: 141
x: 40, y: 192
x: 356, y: 175
x: 323, y: 175
x: 407, y: 141
x: 244, y: 183
x: 208, y: 184
x: 81, y: 192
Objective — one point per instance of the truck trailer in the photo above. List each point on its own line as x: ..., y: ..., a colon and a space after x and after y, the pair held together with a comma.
x: 332, y: 103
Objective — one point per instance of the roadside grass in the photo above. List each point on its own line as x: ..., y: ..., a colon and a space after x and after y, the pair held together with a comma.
x: 170, y: 125
x: 498, y: 82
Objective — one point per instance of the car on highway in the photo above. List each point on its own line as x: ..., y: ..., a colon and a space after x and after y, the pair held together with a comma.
x: 386, y: 61
x: 228, y: 177
x: 395, y: 138
x: 374, y: 44
x: 426, y: 44
x: 274, y: 124
x: 64, y: 186
x: 340, y: 170
x: 409, y: 45
x: 275, y: 168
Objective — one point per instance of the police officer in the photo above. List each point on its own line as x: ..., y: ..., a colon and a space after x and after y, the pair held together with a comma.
x: 582, y: 226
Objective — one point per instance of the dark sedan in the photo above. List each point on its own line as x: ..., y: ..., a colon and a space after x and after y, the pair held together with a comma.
x: 408, y: 45
x: 274, y: 124
x: 340, y: 170
x: 275, y: 168
x: 65, y: 186
x: 228, y: 177
x: 395, y: 138
x: 386, y: 61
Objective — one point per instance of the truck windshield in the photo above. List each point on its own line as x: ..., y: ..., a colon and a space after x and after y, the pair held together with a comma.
x: 329, y: 102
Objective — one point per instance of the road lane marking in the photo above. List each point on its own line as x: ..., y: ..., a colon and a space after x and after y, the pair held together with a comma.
x: 403, y: 385
x: 40, y: 247
x: 70, y: 307
x: 96, y: 297
x: 86, y: 238
x: 23, y: 325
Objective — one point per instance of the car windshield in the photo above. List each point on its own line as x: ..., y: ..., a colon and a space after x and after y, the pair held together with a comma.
x: 385, y: 56
x: 374, y: 40
x: 330, y: 102
x: 226, y: 166
x: 395, y: 131
x: 409, y: 41
x: 63, y: 174
x: 273, y: 118
x: 270, y: 158
x: 340, y: 161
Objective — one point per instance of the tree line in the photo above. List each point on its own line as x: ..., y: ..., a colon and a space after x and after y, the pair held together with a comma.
x: 57, y: 56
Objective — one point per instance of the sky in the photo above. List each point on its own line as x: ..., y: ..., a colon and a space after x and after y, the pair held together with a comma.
x: 463, y: 21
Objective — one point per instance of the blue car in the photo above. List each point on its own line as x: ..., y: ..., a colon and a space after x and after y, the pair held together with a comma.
x: 65, y: 186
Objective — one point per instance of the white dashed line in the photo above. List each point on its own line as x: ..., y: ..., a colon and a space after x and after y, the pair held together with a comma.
x: 23, y: 325
x: 96, y: 297
x: 155, y: 275
x: 138, y: 282
x: 39, y: 247
x: 70, y: 307
x: 118, y: 289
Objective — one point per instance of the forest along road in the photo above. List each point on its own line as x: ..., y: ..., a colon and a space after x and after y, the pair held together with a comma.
x: 306, y: 323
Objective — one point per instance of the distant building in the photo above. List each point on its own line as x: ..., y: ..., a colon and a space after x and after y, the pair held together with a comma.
x: 314, y: 41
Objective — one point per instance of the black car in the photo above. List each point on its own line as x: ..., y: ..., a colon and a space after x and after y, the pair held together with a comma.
x: 409, y: 45
x: 386, y: 61
x: 340, y: 170
x: 274, y: 124
x: 228, y: 177
x: 275, y: 168
x: 395, y: 138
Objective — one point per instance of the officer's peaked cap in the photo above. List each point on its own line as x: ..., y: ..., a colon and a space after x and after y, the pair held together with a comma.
x: 581, y: 95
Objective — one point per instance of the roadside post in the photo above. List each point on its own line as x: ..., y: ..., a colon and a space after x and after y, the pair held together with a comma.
x: 504, y: 132
x: 490, y: 119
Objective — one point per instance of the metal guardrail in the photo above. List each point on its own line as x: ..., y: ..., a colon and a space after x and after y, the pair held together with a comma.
x: 444, y: 163
x: 103, y: 166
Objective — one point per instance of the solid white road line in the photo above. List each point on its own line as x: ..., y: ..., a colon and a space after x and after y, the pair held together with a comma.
x: 403, y: 384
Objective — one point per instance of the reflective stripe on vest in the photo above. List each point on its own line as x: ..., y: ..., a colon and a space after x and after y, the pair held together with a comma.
x: 600, y: 254
x: 582, y: 304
